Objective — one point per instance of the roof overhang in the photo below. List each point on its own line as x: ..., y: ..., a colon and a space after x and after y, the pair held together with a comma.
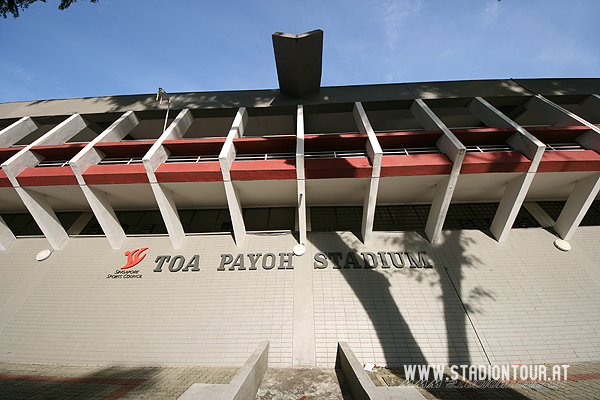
x: 299, y: 59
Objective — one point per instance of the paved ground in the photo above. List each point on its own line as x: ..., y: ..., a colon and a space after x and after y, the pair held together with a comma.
x: 59, y: 382
x: 305, y: 384
x: 20, y: 381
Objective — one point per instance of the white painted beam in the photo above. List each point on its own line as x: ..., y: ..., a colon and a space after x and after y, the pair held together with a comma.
x: 577, y: 205
x: 80, y: 223
x: 559, y: 116
x: 6, y: 236
x: 44, y: 216
x: 168, y: 210
x: 300, y: 175
x: 97, y: 199
x: 592, y: 104
x: 235, y: 211
x: 25, y: 158
x: 36, y: 203
x: 373, y: 147
x: 300, y: 143
x: 539, y: 214
x: 105, y: 215
x: 368, y: 216
x: 63, y: 131
x: 228, y: 151
x: 226, y: 158
x: 516, y: 190
x: 455, y: 150
x: 522, y: 140
x: 375, y: 156
x: 89, y: 156
x: 17, y: 131
x: 510, y: 205
x: 157, y: 155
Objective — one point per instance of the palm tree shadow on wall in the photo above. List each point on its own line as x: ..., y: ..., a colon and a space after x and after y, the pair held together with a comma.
x: 396, y: 316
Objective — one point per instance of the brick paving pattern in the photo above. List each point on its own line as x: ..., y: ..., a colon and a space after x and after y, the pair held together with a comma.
x: 62, y: 382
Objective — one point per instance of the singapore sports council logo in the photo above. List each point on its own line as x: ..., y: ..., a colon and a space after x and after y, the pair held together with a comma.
x: 133, y: 257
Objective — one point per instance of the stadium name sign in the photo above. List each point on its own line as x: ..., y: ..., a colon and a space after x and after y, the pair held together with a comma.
x: 367, y: 259
x: 268, y: 261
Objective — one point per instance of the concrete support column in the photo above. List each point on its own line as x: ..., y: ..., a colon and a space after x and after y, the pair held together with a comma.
x: 44, y: 216
x: 577, y: 205
x: 586, y: 189
x: 105, y: 215
x: 368, y: 217
x: 517, y: 189
x: 375, y: 155
x: 6, y: 236
x: 152, y: 160
x: 36, y: 203
x: 97, y: 199
x: 226, y: 158
x: 539, y: 214
x: 559, y: 116
x: 300, y: 176
x: 510, y: 205
x: 80, y: 223
x: 235, y: 212
x: 17, y: 131
x: 455, y: 150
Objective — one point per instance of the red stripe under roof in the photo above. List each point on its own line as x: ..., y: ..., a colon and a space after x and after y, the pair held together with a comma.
x: 115, y: 174
x: 47, y: 176
x: 189, y: 172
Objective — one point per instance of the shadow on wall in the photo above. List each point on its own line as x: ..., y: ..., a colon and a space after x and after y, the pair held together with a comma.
x: 397, y: 297
x: 396, y: 301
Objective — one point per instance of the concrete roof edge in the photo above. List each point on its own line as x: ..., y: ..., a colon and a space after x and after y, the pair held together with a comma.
x: 327, y: 94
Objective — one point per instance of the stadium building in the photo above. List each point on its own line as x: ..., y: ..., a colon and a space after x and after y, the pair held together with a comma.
x: 416, y: 221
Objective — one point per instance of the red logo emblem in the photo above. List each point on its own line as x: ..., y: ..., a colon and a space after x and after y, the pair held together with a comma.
x: 133, y: 257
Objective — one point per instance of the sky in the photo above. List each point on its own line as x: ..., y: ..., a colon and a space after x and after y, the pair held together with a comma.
x: 118, y: 47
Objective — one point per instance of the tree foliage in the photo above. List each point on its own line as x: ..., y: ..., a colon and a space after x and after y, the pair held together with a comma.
x: 13, y: 6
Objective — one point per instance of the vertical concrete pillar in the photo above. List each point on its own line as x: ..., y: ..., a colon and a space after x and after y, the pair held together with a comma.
x: 577, y: 205
x: 516, y: 190
x: 375, y: 155
x: 164, y: 197
x: 97, y: 199
x: 300, y: 176
x: 17, y: 131
x: 226, y: 158
x: 6, y: 236
x: 455, y: 150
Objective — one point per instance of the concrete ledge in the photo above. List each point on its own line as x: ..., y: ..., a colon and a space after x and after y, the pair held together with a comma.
x: 244, y: 384
x: 361, y: 385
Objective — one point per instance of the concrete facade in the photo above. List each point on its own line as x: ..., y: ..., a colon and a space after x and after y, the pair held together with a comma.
x: 480, y: 303
x: 174, y: 246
